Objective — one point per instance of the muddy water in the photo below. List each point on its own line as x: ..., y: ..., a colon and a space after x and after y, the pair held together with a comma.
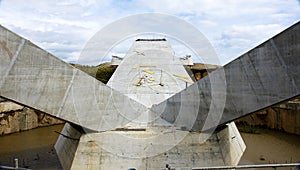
x: 35, y: 150
x: 271, y: 147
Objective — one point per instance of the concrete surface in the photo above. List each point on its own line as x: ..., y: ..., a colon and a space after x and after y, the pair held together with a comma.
x: 66, y: 145
x: 148, y: 142
x: 149, y: 74
x: 93, y: 151
x: 155, y: 63
x: 33, y: 77
x: 264, y: 76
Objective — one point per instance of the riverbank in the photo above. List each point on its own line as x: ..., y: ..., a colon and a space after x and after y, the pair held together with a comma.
x: 284, y: 117
x: 35, y: 150
x: 15, y: 118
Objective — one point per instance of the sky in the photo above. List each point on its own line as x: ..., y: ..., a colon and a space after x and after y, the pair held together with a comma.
x: 231, y: 26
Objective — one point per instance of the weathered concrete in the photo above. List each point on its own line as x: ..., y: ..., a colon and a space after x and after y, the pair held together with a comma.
x: 149, y: 74
x: 231, y: 144
x: 33, y: 77
x: 225, y: 147
x: 262, y: 77
x: 66, y: 144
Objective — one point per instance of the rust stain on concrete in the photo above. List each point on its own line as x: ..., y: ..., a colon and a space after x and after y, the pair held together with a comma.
x: 3, y: 44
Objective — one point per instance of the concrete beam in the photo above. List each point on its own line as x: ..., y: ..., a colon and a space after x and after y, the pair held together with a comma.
x: 264, y: 76
x: 33, y: 77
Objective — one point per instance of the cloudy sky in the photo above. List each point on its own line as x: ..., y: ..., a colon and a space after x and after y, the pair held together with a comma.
x: 64, y: 27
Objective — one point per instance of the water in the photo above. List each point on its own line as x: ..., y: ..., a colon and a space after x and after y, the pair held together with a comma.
x: 271, y: 147
x: 35, y: 149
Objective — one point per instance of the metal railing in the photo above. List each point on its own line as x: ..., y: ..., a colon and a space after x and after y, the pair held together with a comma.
x: 248, y: 166
x: 9, y: 167
x: 297, y: 165
x: 16, y: 166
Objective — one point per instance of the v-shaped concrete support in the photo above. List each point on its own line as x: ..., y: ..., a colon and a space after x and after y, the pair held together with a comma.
x: 264, y: 76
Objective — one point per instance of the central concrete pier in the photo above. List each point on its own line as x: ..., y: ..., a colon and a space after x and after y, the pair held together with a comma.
x: 149, y: 74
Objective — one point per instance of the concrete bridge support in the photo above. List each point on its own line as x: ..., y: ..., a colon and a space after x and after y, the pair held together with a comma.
x: 264, y: 76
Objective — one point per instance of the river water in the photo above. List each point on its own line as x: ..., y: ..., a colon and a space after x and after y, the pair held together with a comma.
x: 34, y: 148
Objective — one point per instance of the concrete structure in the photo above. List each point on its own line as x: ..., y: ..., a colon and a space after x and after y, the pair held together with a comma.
x: 187, y: 60
x: 149, y: 74
x: 262, y: 77
x: 67, y: 144
x: 115, y: 61
x: 28, y: 74
x: 224, y: 147
x: 144, y: 121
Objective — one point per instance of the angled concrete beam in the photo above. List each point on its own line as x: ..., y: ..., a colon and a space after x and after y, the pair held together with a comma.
x: 33, y: 77
x: 264, y: 76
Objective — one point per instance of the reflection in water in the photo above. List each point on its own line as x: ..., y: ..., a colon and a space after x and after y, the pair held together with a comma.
x: 34, y: 148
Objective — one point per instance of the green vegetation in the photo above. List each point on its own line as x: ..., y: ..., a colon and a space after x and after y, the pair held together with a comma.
x: 91, y: 70
x: 243, y: 127
x: 104, y: 73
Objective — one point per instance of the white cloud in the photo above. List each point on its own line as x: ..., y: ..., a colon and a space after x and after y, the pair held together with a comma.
x: 241, y: 38
x: 63, y: 27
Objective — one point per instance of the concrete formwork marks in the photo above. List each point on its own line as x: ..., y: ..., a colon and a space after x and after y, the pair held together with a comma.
x: 35, y: 78
x: 264, y: 76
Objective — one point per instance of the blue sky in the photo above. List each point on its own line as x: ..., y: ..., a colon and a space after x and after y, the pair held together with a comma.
x: 232, y: 26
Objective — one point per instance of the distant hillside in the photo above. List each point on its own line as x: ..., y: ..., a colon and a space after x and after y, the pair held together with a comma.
x: 91, y: 70
x: 102, y: 72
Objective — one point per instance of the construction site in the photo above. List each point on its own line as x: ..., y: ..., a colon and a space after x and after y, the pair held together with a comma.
x: 151, y: 109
